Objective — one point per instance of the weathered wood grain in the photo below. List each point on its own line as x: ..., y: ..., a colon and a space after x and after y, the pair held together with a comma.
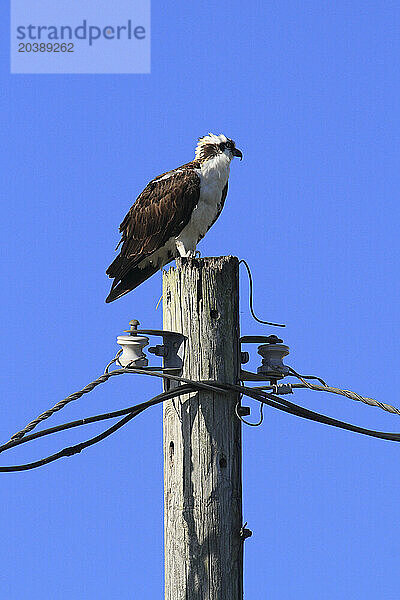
x: 202, y: 436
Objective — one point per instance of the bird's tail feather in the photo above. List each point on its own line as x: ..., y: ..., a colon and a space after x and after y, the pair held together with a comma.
x: 130, y: 281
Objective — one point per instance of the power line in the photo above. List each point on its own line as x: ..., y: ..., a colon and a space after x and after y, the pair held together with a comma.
x: 90, y: 386
x: 271, y: 400
x: 242, y: 261
x: 346, y: 393
x: 286, y: 406
x: 75, y: 449
x: 184, y: 389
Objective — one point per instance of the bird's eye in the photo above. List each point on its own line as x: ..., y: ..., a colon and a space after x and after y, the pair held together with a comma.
x: 229, y: 145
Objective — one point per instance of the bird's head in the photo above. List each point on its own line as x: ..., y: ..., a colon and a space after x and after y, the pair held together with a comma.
x: 212, y: 145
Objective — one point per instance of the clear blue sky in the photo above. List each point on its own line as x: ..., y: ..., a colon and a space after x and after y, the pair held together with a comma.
x: 309, y: 91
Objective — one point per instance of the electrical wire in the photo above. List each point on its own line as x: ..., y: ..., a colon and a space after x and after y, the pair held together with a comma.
x: 239, y: 416
x: 183, y: 389
x: 242, y: 261
x: 286, y: 406
x: 257, y: 394
x: 346, y: 393
x: 75, y: 449
x: 305, y: 413
x: 69, y: 451
x: 90, y: 386
x: 327, y: 388
x: 301, y: 377
x: 114, y: 360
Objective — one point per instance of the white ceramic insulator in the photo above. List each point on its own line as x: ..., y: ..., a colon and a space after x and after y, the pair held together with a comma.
x: 132, y: 350
x: 273, y: 355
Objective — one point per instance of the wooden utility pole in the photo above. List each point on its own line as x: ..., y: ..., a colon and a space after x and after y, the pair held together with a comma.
x: 202, y: 436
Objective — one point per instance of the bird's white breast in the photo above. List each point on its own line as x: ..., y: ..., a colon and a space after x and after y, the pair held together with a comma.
x: 213, y: 176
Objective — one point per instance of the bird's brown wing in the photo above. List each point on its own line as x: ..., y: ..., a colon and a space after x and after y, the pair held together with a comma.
x: 160, y: 212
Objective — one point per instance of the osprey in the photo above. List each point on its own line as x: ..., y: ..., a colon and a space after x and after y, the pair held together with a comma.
x: 172, y: 214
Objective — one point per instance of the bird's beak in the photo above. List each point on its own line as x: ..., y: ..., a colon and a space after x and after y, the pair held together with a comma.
x: 237, y: 152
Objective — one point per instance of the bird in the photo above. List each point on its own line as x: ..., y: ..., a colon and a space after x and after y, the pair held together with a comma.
x: 172, y: 214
